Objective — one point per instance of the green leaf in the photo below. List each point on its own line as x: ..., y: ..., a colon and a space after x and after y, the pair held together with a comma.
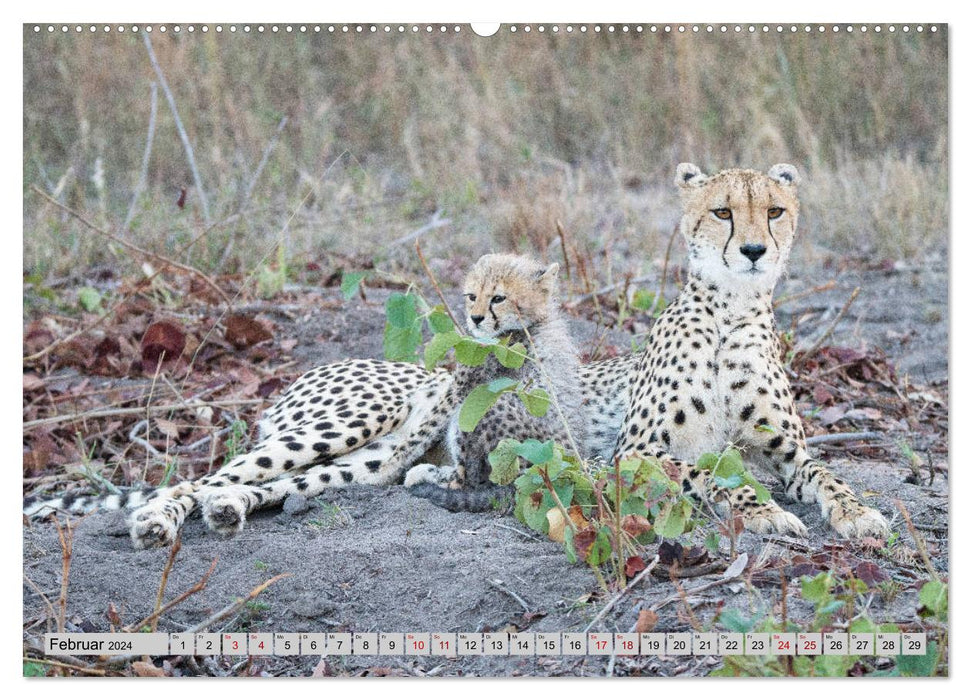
x: 707, y: 461
x: 438, y: 347
x: 712, y: 542
x: 401, y: 344
x: 571, y: 550
x: 476, y: 405
x: 351, y: 283
x: 762, y: 494
x: 600, y: 549
x: 439, y: 321
x: 511, y: 357
x: 497, y: 386
x: 732, y: 482
x: 735, y: 621
x: 33, y: 670
x: 536, y: 401
x: 504, y: 461
x: 933, y: 596
x: 401, y: 310
x: 919, y: 666
x: 536, y: 452
x: 670, y: 523
x: 89, y: 299
x: 817, y: 590
x: 471, y: 353
x: 729, y: 464
x: 832, y: 666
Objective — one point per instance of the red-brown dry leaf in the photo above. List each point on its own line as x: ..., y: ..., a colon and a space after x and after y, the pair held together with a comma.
x: 244, y: 332
x: 670, y: 552
x: 583, y: 541
x: 635, y: 525
x: 113, y: 616
x: 646, y: 621
x: 146, y: 669
x: 269, y: 387
x: 163, y: 338
x: 633, y: 566
x: 870, y: 573
x: 37, y: 337
x: 167, y: 428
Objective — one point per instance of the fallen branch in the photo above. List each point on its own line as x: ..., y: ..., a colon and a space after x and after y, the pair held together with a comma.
x: 233, y: 607
x: 203, y: 200
x: 153, y: 618
x: 843, y: 437
x: 511, y: 593
x: 731, y: 573
x: 918, y: 540
x: 620, y: 596
x: 802, y: 295
x: 828, y: 332
x: 69, y: 667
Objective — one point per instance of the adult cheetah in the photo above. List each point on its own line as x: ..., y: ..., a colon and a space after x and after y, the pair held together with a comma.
x: 712, y: 372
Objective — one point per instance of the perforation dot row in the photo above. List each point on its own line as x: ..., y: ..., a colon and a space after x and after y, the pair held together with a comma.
x: 428, y: 29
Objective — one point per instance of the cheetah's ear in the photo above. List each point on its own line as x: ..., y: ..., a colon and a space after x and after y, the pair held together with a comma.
x: 547, y: 278
x: 784, y: 174
x: 689, y: 175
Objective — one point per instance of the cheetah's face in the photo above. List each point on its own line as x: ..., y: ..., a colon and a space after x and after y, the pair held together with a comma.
x: 504, y: 293
x: 739, y: 224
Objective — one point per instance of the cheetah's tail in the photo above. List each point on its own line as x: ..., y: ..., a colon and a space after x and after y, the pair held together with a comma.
x: 498, y: 498
x: 76, y: 504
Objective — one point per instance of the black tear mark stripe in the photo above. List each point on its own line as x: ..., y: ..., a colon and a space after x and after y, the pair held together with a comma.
x: 731, y: 233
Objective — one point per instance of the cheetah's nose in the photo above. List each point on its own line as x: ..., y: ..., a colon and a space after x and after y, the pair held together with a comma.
x: 477, y: 319
x: 753, y: 251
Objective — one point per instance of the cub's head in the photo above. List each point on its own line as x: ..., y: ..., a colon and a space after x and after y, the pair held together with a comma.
x: 505, y: 293
x: 739, y: 224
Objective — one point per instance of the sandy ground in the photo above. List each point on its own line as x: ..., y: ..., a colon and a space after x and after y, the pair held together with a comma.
x: 376, y: 559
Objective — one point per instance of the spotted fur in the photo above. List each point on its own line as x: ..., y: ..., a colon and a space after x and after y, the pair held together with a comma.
x: 712, y: 372
x: 509, y: 297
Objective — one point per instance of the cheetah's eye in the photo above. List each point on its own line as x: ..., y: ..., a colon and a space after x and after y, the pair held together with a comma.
x: 471, y: 297
x: 723, y: 214
x: 498, y: 299
x: 775, y: 212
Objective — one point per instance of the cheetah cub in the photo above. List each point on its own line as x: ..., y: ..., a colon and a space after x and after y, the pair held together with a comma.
x: 507, y: 296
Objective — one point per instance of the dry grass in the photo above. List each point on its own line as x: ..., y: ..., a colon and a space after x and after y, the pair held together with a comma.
x: 505, y: 135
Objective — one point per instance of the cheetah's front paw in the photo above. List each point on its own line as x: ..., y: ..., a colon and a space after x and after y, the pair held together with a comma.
x: 225, y: 512
x: 852, y: 519
x: 154, y: 527
x: 770, y: 518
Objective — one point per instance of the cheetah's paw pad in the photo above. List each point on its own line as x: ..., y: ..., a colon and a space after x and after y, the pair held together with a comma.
x: 225, y: 513
x: 857, y: 520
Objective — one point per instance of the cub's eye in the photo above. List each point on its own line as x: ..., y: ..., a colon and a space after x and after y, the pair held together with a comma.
x: 724, y: 214
x: 498, y: 298
x: 471, y: 297
x: 775, y: 212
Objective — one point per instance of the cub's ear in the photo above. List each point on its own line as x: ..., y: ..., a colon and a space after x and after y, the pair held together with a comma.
x: 689, y: 175
x: 784, y: 174
x: 547, y: 277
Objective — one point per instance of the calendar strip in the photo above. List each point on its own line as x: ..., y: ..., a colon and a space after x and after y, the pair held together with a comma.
x: 527, y: 644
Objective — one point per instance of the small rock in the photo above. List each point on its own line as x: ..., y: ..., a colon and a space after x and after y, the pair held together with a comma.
x: 295, y: 504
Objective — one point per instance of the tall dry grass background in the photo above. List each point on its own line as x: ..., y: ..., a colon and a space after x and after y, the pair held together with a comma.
x: 503, y: 136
